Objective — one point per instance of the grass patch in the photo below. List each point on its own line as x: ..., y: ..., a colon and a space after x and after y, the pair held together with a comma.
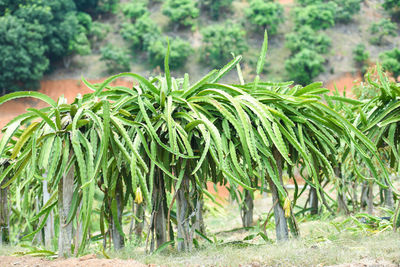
x: 300, y: 252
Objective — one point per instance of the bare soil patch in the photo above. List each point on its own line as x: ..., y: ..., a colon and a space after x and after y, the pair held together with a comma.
x: 85, y: 261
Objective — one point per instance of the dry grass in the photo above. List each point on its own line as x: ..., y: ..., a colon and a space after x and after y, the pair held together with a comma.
x: 320, y: 244
x: 301, y: 252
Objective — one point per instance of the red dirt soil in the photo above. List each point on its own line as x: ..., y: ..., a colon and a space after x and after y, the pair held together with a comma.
x: 344, y: 83
x: 85, y: 261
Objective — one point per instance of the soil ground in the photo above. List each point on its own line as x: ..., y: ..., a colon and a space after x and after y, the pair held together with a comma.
x: 85, y: 261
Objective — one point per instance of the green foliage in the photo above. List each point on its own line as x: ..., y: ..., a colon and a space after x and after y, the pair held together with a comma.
x: 309, y: 2
x: 117, y: 59
x: 23, y: 59
x: 360, y: 55
x: 99, y: 31
x: 59, y: 19
x: 346, y: 9
x: 182, y: 12
x: 85, y: 20
x: 134, y: 9
x: 97, y: 6
x: 86, y: 5
x: 379, y: 30
x: 391, y: 61
x: 393, y: 6
x: 216, y: 7
x: 304, y: 66
x: 366, y: 90
x: 107, y: 6
x: 141, y: 33
x: 306, y: 37
x: 179, y: 52
x: 265, y: 13
x: 57, y: 31
x: 317, y: 16
x: 220, y: 40
x: 80, y: 44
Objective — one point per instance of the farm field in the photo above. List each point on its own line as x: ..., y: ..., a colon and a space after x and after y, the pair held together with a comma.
x: 199, y: 133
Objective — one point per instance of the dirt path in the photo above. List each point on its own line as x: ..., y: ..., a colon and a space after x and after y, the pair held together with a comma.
x: 85, y: 261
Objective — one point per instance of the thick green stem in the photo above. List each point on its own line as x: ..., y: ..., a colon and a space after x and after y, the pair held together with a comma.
x: 4, y: 216
x: 281, y: 227
x: 247, y: 209
x: 65, y: 192
x: 117, y: 237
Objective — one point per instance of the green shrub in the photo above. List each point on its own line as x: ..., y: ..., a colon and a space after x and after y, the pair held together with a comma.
x: 117, y: 59
x: 391, y: 61
x: 393, y: 6
x: 304, y: 66
x: 360, y: 55
x: 222, y: 39
x: 379, y: 30
x: 134, y: 9
x: 306, y: 37
x: 317, y: 16
x: 107, y: 6
x: 215, y: 7
x: 99, y: 31
x: 265, y: 13
x: 182, y: 12
x: 179, y: 52
x: 346, y: 9
x: 309, y: 2
x: 80, y: 43
x: 85, y: 20
x: 141, y: 33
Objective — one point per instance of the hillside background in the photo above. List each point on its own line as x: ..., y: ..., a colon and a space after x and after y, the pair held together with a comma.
x: 339, y: 62
x: 50, y: 45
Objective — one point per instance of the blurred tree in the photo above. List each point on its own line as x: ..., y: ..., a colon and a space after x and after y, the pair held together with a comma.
x: 215, y: 7
x: 179, y: 52
x: 220, y: 40
x: 265, y: 13
x: 23, y: 59
x: 182, y: 12
x: 393, y: 6
x: 95, y: 7
x: 317, y: 16
x: 98, y: 31
x: 116, y: 58
x: 54, y: 30
x: 346, y: 9
x: 306, y: 37
x: 304, y: 66
x: 309, y: 2
x: 141, y: 33
x: 379, y: 30
x: 135, y: 9
x: 391, y: 61
x: 361, y: 56
x: 59, y: 19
